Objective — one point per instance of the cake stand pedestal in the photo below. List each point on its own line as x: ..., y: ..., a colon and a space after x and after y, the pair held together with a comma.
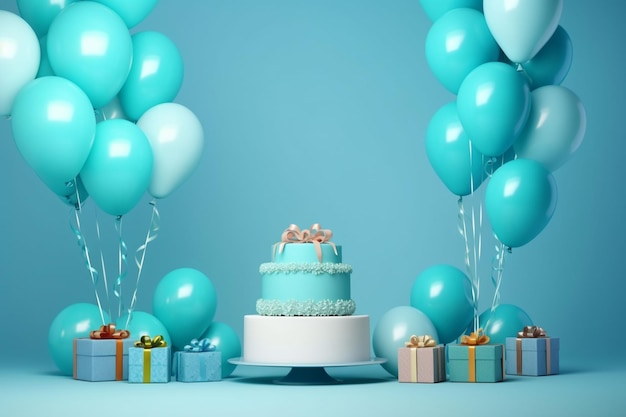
x: 307, y: 374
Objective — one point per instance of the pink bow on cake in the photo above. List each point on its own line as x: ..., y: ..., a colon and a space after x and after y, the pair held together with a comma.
x: 315, y: 235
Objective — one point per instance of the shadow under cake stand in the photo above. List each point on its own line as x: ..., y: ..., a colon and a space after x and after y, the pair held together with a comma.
x: 307, y: 374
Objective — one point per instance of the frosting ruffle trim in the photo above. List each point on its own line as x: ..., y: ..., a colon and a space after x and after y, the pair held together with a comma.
x: 305, y: 308
x: 314, y: 268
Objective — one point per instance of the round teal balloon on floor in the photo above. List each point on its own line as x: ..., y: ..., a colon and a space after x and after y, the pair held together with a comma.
x: 505, y: 321
x: 74, y: 321
x: 143, y: 324
x: 185, y: 302
x: 227, y: 342
x: 395, y: 328
x: 444, y: 293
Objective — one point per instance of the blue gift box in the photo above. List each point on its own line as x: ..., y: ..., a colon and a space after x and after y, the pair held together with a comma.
x: 533, y: 356
x: 149, y: 364
x: 101, y: 359
x: 198, y: 366
x: 481, y: 363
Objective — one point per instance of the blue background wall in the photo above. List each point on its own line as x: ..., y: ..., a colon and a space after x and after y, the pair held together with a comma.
x: 315, y: 111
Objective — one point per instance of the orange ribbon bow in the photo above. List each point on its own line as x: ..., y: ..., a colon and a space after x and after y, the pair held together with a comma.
x: 315, y: 235
x: 107, y: 331
x: 478, y: 338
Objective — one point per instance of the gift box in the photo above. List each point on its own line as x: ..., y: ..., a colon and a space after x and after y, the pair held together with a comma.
x: 198, y: 362
x: 149, y: 361
x: 476, y: 360
x: 421, y: 360
x: 103, y: 356
x: 532, y: 353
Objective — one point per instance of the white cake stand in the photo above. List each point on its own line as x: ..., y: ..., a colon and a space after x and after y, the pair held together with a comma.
x: 307, y: 373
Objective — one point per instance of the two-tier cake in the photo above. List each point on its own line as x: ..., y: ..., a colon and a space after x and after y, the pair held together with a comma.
x: 305, y: 313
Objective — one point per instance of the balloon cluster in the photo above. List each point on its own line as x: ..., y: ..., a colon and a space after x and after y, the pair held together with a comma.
x: 91, y: 105
x: 512, y: 124
x: 183, y: 309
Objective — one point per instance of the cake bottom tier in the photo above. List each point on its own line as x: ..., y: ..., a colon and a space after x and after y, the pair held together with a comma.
x: 306, y: 340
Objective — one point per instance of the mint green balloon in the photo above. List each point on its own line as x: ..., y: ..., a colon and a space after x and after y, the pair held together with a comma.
x: 444, y: 293
x: 226, y: 341
x: 458, y: 42
x: 493, y: 104
x: 434, y: 9
x: 455, y: 161
x: 74, y: 321
x: 145, y: 89
x: 89, y: 44
x: 520, y: 200
x: 552, y: 63
x: 185, y: 301
x: 118, y: 170
x: 53, y: 127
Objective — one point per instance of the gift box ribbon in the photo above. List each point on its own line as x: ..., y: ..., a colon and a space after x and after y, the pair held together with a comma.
x: 532, y: 332
x: 315, y: 235
x: 148, y: 344
x: 108, y: 331
x: 202, y: 345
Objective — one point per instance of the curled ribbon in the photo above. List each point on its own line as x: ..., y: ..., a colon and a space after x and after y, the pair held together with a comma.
x: 203, y: 345
x: 315, y: 235
x: 108, y: 331
x: 475, y: 338
x: 147, y: 343
x: 532, y: 332
x: 421, y: 342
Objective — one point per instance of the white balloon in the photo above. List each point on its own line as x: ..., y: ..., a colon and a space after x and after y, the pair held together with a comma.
x: 177, y: 140
x: 555, y: 128
x: 19, y: 58
x: 522, y: 27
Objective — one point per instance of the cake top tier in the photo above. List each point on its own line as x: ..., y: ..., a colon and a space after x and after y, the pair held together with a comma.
x: 315, y: 237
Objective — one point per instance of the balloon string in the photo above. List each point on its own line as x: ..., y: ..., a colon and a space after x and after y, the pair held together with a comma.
x: 140, y: 254
x: 472, y: 272
x: 122, y: 264
x: 82, y: 243
x: 497, y: 270
x: 102, y: 263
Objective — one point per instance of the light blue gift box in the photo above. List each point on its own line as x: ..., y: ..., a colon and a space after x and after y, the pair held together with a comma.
x: 198, y: 366
x: 533, y: 356
x: 488, y: 364
x: 158, y: 369
x: 101, y: 359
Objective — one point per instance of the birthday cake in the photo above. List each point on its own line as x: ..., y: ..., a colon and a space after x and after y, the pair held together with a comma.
x: 305, y: 313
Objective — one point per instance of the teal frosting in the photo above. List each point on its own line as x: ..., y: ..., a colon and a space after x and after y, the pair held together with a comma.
x: 315, y: 268
x: 305, y: 308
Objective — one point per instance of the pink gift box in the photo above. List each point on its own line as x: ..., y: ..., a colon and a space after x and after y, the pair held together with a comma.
x: 424, y: 364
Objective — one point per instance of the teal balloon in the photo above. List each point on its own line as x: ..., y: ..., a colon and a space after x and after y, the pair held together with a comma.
x: 555, y: 128
x: 185, y: 301
x: 444, y: 293
x: 89, y: 44
x: 552, y: 63
x: 74, y: 321
x: 140, y: 323
x: 505, y: 321
x: 522, y: 28
x: 53, y: 127
x: 520, y: 199
x: 455, y: 161
x: 434, y: 9
x: 493, y: 104
x: 131, y: 11
x: 226, y: 341
x: 40, y: 13
x: 473, y: 45
x: 118, y: 170
x: 396, y: 327
x: 156, y: 74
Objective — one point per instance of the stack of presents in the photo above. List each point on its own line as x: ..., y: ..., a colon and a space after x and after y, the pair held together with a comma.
x: 109, y: 354
x: 531, y: 353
